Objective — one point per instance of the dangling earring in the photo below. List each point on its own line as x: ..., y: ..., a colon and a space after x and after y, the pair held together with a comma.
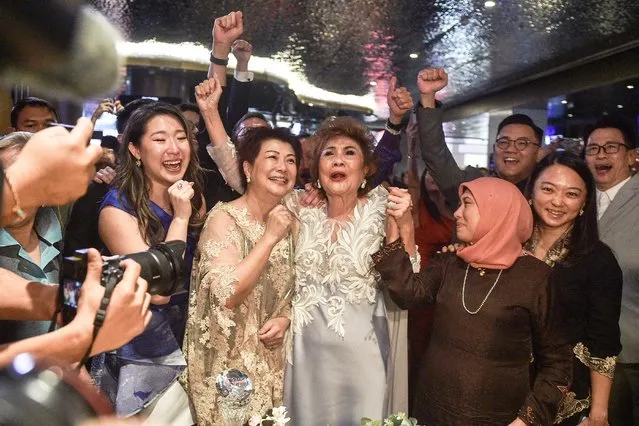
x: 581, y: 212
x: 248, y: 179
x: 530, y: 202
x: 319, y: 185
x: 138, y: 162
x: 363, y: 185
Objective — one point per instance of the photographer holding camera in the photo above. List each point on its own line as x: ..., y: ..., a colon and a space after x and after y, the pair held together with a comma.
x: 58, y: 177
x: 127, y: 315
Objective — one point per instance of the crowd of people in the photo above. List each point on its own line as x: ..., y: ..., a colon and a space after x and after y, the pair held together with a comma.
x: 464, y: 299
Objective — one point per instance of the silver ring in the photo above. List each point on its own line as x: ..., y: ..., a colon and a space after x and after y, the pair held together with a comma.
x: 179, y: 185
x: 391, y: 204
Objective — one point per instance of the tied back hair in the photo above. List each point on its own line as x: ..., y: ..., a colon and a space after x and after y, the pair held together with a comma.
x: 134, y: 186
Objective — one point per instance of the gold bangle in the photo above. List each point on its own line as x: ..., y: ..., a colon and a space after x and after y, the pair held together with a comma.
x: 17, y: 209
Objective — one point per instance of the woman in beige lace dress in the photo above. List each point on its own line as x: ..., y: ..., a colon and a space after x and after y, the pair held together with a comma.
x: 243, y: 281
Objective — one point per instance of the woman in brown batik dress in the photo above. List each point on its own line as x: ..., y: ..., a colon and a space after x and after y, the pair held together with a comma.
x: 495, y: 309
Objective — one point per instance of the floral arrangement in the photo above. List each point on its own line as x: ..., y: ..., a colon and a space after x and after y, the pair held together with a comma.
x: 277, y: 417
x: 398, y: 419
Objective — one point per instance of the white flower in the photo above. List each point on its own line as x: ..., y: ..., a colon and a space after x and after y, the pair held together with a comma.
x: 399, y: 419
x: 255, y: 420
x: 279, y: 416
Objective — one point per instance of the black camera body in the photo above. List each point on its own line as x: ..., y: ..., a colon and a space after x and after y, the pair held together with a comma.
x: 162, y: 266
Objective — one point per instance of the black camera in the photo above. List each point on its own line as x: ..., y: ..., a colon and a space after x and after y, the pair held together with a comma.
x: 162, y: 268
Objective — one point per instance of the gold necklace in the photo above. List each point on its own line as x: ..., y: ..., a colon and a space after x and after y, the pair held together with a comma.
x: 557, y: 251
x: 485, y: 298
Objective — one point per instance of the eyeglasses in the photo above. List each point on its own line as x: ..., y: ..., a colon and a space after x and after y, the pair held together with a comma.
x: 608, y: 148
x: 520, y: 143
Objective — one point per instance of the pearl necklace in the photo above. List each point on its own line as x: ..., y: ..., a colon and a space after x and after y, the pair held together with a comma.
x: 485, y: 298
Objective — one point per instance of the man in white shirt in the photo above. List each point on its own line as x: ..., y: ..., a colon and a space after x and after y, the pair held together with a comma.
x: 610, y: 153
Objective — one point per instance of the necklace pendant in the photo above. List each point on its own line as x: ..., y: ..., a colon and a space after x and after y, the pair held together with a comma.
x: 482, y: 272
x: 463, y: 292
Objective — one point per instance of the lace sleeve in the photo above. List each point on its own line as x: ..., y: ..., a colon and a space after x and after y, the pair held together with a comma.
x: 225, y: 156
x: 219, y: 252
x: 212, y: 328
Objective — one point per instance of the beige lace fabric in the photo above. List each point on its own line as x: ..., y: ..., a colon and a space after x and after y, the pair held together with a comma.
x: 219, y: 338
x: 225, y: 156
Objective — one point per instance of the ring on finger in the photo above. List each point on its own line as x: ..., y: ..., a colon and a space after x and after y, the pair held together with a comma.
x: 391, y: 204
x: 179, y: 185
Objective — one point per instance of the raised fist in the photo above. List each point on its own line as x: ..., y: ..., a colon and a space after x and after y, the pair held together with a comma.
x: 228, y: 28
x: 180, y: 195
x: 278, y: 223
x: 207, y: 94
x: 242, y: 51
x: 431, y: 80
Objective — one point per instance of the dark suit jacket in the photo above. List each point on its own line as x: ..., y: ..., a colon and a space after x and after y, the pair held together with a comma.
x: 440, y: 161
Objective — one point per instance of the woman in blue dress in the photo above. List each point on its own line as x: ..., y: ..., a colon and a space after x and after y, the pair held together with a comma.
x: 157, y: 197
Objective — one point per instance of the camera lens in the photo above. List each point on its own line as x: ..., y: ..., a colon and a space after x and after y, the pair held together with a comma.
x: 162, y: 267
x: 32, y: 394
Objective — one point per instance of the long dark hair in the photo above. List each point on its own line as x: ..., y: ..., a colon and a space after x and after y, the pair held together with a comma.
x: 584, y: 234
x: 134, y: 186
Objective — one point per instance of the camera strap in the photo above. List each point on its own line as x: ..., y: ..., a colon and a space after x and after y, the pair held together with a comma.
x: 54, y: 320
x: 59, y: 298
x: 100, y: 315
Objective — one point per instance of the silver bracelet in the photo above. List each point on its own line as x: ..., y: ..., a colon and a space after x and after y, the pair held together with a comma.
x: 392, y: 131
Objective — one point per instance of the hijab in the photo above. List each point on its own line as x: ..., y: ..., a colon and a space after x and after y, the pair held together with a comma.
x: 505, y: 224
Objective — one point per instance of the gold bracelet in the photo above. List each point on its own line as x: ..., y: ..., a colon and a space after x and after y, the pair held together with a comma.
x: 17, y: 210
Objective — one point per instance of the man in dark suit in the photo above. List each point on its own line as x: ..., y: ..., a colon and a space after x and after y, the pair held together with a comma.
x: 517, y: 148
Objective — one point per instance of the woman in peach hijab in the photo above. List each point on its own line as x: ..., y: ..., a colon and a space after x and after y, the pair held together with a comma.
x: 495, y: 312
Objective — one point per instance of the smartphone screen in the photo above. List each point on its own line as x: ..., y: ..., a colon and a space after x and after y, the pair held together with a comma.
x: 71, y: 293
x: 70, y: 297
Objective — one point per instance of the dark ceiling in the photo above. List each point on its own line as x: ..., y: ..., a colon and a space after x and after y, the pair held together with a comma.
x: 341, y: 45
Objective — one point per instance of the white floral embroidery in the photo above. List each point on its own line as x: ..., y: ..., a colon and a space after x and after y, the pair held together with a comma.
x: 333, y: 264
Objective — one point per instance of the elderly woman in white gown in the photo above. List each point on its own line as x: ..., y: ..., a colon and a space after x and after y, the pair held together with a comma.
x: 348, y: 359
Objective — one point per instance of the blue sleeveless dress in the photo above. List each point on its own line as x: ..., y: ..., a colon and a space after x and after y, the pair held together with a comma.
x: 140, y: 371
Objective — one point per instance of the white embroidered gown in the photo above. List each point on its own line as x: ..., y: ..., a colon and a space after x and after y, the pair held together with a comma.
x: 342, y: 363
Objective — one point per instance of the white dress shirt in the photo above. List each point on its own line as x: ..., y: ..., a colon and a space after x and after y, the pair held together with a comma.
x: 604, y: 198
